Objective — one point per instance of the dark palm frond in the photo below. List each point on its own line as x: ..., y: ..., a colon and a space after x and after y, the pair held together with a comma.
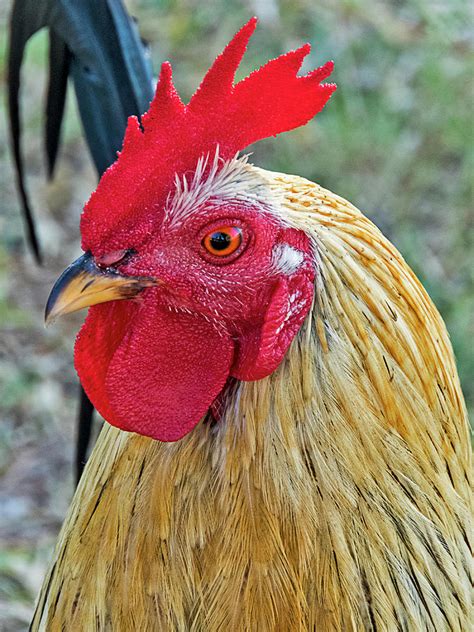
x: 23, y: 24
x: 97, y: 43
x: 84, y: 432
x: 59, y: 64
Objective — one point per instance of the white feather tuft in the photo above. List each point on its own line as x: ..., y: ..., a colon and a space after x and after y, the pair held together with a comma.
x: 286, y: 258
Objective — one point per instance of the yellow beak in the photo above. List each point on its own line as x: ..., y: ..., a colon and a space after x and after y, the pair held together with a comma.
x: 83, y: 284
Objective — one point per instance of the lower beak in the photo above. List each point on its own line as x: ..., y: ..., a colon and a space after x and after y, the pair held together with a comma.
x: 84, y: 283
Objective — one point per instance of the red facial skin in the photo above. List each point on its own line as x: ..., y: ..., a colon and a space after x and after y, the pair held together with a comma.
x: 155, y: 365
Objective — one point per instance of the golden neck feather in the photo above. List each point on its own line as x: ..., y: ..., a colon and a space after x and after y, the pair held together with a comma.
x: 332, y: 495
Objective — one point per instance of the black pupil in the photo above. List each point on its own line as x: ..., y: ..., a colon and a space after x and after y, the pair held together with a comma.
x: 220, y: 241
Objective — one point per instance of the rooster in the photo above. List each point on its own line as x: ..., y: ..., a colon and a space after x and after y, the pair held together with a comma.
x: 296, y: 453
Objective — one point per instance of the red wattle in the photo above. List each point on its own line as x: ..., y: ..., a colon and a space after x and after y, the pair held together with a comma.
x: 161, y: 377
x: 96, y: 343
x: 261, y: 349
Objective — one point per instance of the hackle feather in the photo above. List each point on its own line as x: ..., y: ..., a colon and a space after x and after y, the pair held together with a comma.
x: 333, y: 495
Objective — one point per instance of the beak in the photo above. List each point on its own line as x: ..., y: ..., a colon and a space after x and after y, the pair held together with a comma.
x: 84, y: 283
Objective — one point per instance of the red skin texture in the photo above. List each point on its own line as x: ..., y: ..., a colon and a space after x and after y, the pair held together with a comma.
x: 155, y: 365
x: 152, y: 368
x: 97, y: 341
x: 162, y: 375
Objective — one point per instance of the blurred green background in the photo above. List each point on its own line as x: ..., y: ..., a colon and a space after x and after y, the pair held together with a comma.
x: 396, y: 140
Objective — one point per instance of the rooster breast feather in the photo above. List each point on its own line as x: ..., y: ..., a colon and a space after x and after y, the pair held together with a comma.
x: 332, y: 495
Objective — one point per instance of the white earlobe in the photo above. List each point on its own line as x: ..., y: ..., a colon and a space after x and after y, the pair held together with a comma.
x: 286, y: 258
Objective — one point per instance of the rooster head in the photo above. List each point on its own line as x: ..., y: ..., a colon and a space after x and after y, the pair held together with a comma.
x: 191, y: 271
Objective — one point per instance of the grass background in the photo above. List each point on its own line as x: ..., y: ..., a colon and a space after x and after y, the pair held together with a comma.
x: 396, y: 140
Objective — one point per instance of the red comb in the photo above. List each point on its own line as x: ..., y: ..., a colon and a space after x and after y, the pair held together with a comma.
x: 269, y: 101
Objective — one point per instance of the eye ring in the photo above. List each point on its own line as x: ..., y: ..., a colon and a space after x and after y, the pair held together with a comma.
x: 222, y: 241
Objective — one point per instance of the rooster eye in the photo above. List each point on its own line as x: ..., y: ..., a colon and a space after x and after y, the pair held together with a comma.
x: 223, y: 240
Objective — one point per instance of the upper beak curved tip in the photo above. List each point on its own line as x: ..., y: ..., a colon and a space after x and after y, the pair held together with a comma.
x: 50, y: 314
x: 57, y: 301
x: 84, y: 283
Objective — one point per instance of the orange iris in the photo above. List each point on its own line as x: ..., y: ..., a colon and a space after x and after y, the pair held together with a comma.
x: 223, y: 240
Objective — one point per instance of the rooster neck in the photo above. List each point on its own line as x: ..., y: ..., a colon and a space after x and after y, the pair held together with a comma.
x: 276, y: 499
x: 331, y: 495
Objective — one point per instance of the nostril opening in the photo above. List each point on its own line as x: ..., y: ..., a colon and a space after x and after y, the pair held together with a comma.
x: 110, y: 258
